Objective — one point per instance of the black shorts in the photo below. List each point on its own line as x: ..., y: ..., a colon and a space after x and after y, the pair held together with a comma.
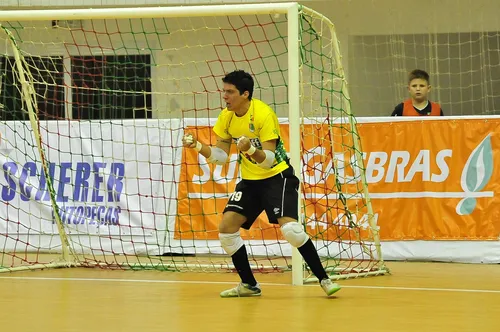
x: 278, y: 196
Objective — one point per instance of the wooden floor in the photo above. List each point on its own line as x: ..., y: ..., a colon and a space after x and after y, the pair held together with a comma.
x: 416, y: 297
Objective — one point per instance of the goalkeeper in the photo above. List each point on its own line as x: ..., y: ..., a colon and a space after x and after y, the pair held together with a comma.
x: 268, y: 181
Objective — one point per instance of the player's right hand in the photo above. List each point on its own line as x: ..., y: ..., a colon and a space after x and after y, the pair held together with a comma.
x: 189, y: 141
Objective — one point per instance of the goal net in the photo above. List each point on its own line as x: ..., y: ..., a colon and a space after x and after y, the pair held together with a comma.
x: 93, y: 111
x: 461, y: 53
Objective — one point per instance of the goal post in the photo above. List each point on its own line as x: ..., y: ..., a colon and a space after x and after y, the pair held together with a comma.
x: 94, y: 173
x: 294, y: 116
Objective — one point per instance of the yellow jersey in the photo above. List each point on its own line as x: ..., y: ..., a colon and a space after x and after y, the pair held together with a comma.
x: 259, y: 124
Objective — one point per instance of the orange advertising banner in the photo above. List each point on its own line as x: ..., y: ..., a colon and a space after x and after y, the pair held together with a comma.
x: 427, y: 180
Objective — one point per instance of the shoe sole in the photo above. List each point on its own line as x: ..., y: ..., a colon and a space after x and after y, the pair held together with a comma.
x: 333, y: 291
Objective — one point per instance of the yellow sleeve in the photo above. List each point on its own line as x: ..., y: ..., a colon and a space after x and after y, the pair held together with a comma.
x: 220, y: 127
x: 270, y: 128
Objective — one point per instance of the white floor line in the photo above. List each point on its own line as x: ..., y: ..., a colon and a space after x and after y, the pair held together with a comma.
x: 428, y: 289
x: 425, y: 289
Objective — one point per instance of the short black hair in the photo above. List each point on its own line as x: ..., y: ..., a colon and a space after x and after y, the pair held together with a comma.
x: 418, y: 73
x: 242, y: 80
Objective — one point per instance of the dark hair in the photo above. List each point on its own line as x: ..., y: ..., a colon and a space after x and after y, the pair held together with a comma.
x: 418, y: 73
x: 242, y: 80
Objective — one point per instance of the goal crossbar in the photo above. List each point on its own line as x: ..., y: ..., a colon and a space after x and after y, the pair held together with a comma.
x: 147, y: 12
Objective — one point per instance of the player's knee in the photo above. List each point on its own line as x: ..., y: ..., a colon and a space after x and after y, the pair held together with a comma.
x: 231, y: 243
x: 231, y: 222
x: 225, y: 227
x: 294, y: 233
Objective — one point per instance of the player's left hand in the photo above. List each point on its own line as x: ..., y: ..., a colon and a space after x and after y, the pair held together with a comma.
x: 243, y: 144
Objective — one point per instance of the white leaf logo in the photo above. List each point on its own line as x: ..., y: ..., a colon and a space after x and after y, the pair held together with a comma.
x: 476, y: 174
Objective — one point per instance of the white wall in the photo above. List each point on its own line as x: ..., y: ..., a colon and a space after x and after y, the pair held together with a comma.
x: 351, y: 16
x: 382, y: 40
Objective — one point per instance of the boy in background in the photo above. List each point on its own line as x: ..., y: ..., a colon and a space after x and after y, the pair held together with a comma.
x: 418, y: 104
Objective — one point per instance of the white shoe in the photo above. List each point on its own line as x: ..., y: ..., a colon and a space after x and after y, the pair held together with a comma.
x: 329, y: 286
x: 242, y: 290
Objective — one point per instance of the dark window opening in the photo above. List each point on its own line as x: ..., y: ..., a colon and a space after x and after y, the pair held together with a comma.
x: 111, y: 87
x: 47, y: 78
